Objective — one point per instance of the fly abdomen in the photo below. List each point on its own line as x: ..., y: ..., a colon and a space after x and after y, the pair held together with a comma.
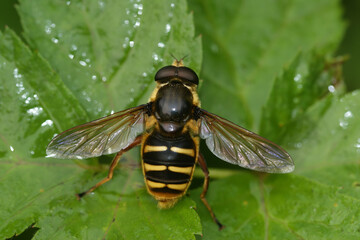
x: 168, y: 165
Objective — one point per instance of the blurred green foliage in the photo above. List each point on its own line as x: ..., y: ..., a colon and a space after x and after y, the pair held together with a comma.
x: 349, y: 46
x: 294, y: 106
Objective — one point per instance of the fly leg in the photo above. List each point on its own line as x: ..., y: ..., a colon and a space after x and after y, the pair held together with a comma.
x: 204, y: 168
x: 114, y: 162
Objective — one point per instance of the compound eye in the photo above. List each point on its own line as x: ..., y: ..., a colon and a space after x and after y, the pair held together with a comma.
x: 166, y: 73
x: 188, y: 74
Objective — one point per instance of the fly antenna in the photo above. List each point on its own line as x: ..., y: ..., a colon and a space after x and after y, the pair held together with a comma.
x: 184, y: 57
x: 178, y: 63
x: 175, y: 59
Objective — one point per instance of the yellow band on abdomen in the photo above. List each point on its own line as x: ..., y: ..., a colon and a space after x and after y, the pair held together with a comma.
x: 186, y: 151
x: 150, y: 167
x: 186, y: 170
x: 155, y: 184
x: 149, y: 148
x: 180, y: 187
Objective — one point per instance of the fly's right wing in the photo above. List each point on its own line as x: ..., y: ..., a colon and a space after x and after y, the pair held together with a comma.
x: 239, y: 146
x: 103, y: 136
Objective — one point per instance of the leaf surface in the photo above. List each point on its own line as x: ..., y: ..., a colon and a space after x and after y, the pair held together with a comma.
x: 247, y: 43
x: 84, y: 60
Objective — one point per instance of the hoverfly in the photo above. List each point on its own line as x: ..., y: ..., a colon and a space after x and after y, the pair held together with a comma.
x: 169, y: 128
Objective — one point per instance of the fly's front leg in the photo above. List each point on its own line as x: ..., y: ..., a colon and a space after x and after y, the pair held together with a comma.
x: 204, y: 168
x: 114, y: 162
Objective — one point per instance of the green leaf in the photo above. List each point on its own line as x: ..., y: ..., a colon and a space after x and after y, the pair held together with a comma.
x: 279, y: 207
x: 303, y: 83
x: 246, y: 46
x: 107, y: 52
x: 319, y: 201
x: 247, y: 43
x: 93, y: 68
x: 86, y: 59
x: 331, y: 152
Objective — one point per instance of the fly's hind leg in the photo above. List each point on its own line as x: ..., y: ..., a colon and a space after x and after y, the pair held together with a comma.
x: 204, y: 168
x: 114, y: 162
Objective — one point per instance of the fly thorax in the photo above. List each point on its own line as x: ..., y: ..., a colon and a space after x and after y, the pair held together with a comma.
x: 173, y: 106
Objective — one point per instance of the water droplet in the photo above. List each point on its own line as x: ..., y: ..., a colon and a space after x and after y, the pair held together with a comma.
x: 35, y: 111
x: 137, y: 24
x: 93, y: 77
x: 73, y: 47
x: 82, y: 63
x: 343, y: 124
x: 131, y: 99
x: 11, y: 148
x: 71, y: 56
x: 101, y: 4
x: 167, y: 28
x: 112, y: 112
x: 161, y: 45
x: 20, y: 87
x: 47, y: 123
x: 155, y: 57
x: 28, y: 100
x: 132, y: 90
x: 298, y: 145
x: 139, y: 7
x: 357, y: 145
x: 47, y: 29
x: 348, y: 114
x: 87, y: 98
x: 172, y: 5
x: 55, y: 40
x: 126, y: 21
x: 68, y: 3
x: 49, y: 26
x: 103, y: 79
x: 297, y: 78
x: 25, y: 95
x: 331, y: 88
x: 144, y: 74
x: 16, y: 74
x: 131, y: 43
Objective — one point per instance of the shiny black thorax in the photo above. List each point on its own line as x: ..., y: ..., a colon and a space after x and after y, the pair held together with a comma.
x: 173, y: 107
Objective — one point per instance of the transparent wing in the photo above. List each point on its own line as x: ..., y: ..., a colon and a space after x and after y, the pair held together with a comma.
x: 103, y: 136
x: 237, y: 145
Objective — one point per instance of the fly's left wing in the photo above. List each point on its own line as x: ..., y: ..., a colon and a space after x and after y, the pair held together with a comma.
x: 239, y: 146
x: 103, y: 136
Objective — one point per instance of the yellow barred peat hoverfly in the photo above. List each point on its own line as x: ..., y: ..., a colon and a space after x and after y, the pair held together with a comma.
x: 169, y: 128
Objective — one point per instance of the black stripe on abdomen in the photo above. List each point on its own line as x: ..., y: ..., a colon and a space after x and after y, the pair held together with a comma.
x: 168, y: 158
x: 167, y: 176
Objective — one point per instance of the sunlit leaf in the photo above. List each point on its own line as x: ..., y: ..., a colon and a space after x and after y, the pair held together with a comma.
x: 95, y: 72
x: 247, y: 43
x: 107, y: 52
x: 279, y: 207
